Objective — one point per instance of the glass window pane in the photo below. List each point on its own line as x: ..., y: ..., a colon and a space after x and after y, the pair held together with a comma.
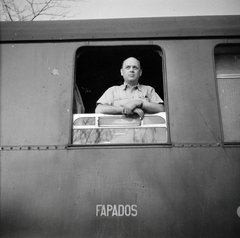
x: 227, y: 63
x: 107, y: 129
x: 229, y: 95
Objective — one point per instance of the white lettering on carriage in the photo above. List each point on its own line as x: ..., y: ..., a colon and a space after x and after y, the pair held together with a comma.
x: 116, y: 210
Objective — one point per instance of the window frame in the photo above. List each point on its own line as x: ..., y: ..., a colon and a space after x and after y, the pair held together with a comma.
x: 224, y: 49
x: 161, y: 54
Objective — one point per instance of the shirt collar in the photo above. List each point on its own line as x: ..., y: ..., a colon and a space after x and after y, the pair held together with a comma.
x: 124, y: 86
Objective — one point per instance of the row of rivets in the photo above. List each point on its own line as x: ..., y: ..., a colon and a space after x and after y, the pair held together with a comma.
x: 196, y: 145
x: 57, y: 147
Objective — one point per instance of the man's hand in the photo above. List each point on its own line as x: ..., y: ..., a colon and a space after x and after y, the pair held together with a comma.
x: 139, y: 112
x: 131, y: 106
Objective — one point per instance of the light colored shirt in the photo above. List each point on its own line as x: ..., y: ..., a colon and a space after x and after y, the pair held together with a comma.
x: 120, y: 95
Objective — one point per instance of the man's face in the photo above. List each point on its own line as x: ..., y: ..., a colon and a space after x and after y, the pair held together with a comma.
x: 131, y: 71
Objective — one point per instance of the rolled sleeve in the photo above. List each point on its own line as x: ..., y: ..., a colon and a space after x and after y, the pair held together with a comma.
x: 154, y: 97
x: 107, y: 97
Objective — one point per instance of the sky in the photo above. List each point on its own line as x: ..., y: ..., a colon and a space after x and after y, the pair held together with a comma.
x: 105, y: 9
x: 98, y: 9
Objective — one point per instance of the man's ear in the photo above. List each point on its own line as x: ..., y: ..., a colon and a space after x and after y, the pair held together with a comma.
x: 140, y: 73
x: 121, y: 72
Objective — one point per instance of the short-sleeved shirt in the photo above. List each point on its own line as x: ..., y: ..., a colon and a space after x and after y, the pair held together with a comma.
x: 120, y: 95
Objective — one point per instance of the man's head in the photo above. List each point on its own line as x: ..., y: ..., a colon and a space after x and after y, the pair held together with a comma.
x: 131, y: 71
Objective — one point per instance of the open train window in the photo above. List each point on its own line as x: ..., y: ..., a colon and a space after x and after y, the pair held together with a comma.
x: 97, y: 69
x: 227, y: 64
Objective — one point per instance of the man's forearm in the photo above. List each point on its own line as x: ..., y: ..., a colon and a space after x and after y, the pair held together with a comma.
x: 151, y: 107
x: 108, y: 109
x: 147, y: 107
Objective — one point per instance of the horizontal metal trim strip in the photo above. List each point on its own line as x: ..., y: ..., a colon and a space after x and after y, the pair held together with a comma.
x: 40, y: 147
x: 135, y: 145
x: 191, y: 26
x: 228, y: 76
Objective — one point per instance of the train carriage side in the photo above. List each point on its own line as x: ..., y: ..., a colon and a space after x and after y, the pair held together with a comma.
x: 185, y: 185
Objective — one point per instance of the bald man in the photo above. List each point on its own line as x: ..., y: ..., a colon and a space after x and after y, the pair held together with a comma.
x: 130, y: 98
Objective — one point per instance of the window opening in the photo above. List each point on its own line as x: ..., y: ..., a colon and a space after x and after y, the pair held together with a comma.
x: 97, y: 69
x: 227, y: 64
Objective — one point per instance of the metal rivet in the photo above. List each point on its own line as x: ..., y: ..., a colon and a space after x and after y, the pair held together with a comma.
x: 238, y: 211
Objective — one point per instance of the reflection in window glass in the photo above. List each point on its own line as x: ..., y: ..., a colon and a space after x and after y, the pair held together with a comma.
x: 105, y: 129
x: 227, y: 61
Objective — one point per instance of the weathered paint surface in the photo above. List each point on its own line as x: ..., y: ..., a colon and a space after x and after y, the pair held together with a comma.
x: 189, y: 192
x: 122, y: 28
x: 36, y: 92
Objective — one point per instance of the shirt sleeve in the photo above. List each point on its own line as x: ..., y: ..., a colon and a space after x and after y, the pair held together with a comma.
x: 154, y: 97
x: 107, y: 97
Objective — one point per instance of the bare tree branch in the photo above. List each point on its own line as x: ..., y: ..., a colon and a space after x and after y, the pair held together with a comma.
x: 29, y: 10
x: 7, y: 10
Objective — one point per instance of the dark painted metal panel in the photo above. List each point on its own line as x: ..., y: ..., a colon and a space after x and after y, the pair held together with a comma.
x: 194, y: 26
x: 36, y: 93
x: 192, y: 93
x: 189, y: 192
x: 36, y: 87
